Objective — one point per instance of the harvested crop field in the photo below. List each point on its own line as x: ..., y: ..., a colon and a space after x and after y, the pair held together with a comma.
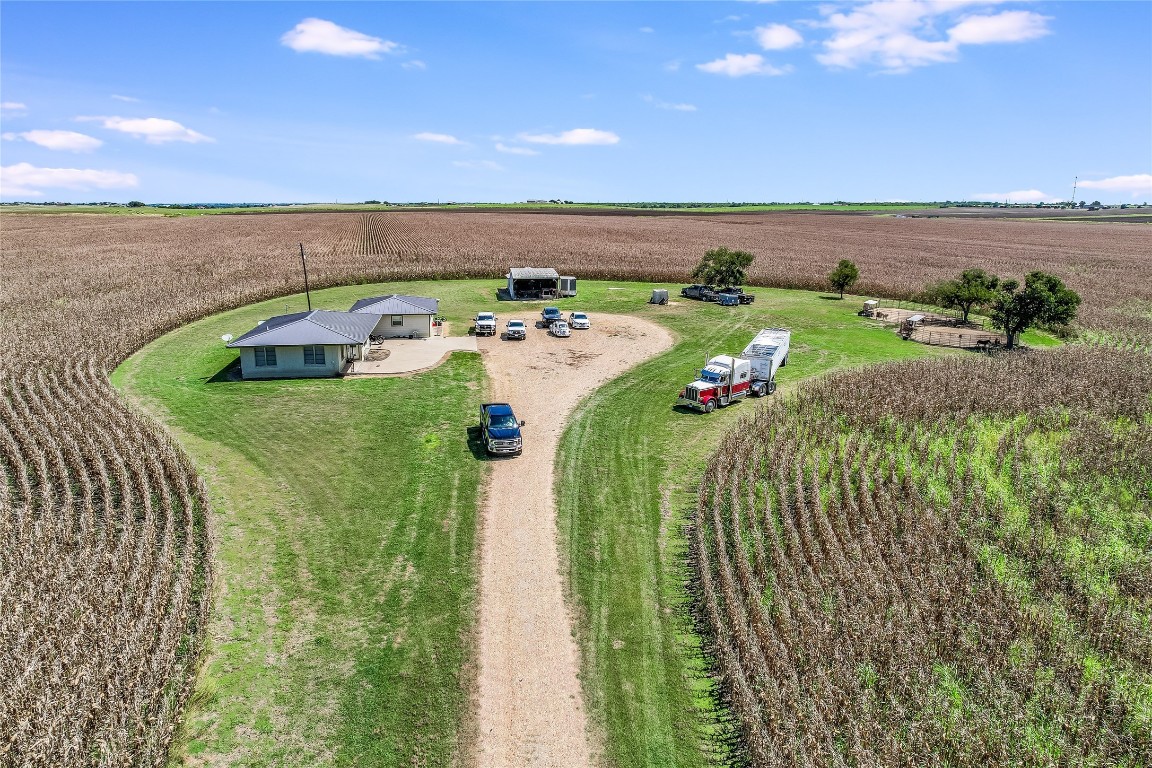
x: 80, y: 276
x: 87, y: 480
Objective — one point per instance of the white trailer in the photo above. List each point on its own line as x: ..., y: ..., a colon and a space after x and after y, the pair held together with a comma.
x: 767, y: 353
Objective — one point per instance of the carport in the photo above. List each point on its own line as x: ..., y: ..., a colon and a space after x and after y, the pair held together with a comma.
x: 533, y: 283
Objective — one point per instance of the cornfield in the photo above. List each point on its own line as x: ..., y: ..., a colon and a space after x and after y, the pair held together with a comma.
x: 104, y: 566
x: 938, y: 563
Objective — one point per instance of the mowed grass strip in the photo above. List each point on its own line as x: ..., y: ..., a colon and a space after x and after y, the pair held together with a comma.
x: 627, y: 471
x: 344, y: 523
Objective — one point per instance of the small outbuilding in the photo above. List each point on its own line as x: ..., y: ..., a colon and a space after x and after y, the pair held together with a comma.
x: 400, y: 316
x: 533, y: 283
x: 304, y: 344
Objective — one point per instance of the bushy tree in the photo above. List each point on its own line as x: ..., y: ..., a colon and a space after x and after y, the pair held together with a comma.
x: 135, y: 204
x: 844, y: 276
x: 973, y: 288
x: 1042, y: 300
x: 721, y: 266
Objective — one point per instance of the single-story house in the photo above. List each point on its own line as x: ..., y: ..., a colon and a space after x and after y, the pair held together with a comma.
x: 397, y: 315
x: 538, y: 283
x: 315, y: 343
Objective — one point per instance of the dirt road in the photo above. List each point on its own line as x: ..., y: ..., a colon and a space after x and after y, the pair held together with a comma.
x: 529, y: 709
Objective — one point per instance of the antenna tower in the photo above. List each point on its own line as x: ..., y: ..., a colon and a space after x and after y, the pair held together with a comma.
x: 1075, y: 181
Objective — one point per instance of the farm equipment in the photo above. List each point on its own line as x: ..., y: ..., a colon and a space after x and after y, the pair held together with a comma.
x: 499, y: 429
x: 485, y: 323
x: 909, y: 325
x: 869, y: 308
x: 726, y: 379
x: 728, y: 300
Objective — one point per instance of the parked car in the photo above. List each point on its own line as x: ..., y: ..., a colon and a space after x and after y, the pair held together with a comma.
x: 560, y: 329
x: 548, y: 316
x: 516, y: 330
x: 578, y: 321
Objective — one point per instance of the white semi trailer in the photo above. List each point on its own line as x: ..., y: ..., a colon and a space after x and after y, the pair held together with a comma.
x: 767, y: 353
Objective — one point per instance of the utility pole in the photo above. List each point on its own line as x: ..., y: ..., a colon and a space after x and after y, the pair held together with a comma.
x: 1075, y: 181
x: 304, y: 262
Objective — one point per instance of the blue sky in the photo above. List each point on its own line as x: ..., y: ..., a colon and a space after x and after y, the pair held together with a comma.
x: 742, y: 101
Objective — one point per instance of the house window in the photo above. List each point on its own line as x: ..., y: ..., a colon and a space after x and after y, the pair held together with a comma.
x: 266, y: 356
x: 397, y: 320
x: 314, y: 355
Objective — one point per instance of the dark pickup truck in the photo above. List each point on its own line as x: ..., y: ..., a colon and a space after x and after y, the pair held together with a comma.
x: 500, y: 430
x: 738, y: 292
x: 548, y: 316
x: 711, y: 293
x: 700, y: 292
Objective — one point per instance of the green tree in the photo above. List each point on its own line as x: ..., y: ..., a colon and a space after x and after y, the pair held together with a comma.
x: 844, y: 276
x: 1042, y: 300
x: 974, y: 287
x: 721, y: 266
x: 135, y: 204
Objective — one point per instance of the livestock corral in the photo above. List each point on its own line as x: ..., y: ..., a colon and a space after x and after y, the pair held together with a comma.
x: 867, y: 596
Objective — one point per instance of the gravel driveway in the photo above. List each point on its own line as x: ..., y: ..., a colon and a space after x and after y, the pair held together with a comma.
x: 530, y: 711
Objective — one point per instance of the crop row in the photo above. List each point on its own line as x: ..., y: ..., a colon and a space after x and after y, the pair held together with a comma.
x: 953, y: 573
x: 103, y: 565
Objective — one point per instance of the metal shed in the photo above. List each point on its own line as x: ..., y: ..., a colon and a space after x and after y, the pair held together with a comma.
x: 533, y: 283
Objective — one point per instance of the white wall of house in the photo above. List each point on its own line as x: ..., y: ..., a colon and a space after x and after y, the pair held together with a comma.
x: 290, y: 363
x: 421, y: 325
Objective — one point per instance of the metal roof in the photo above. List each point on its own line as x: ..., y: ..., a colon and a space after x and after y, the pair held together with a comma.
x: 397, y: 304
x: 533, y: 273
x: 320, y: 326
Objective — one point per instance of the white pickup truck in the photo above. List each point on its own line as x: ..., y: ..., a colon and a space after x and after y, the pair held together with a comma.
x: 485, y: 323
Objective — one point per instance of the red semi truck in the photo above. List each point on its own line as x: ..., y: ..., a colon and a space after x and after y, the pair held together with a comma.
x: 726, y: 379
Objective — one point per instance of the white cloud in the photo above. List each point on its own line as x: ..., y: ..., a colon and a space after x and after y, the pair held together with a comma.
x: 414, y: 64
x: 130, y: 99
x: 154, y: 130
x: 647, y: 30
x: 778, y: 37
x: 480, y: 165
x: 740, y: 65
x: 1017, y: 196
x: 1006, y: 27
x: 321, y: 36
x: 897, y: 36
x: 501, y: 147
x: 12, y: 106
x: 69, y: 141
x: 576, y: 136
x: 438, y: 138
x: 672, y: 66
x: 26, y: 180
x: 668, y: 105
x: 1137, y: 185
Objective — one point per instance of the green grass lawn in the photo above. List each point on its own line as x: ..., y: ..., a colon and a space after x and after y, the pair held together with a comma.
x: 345, y: 520
x: 344, y: 525
x: 627, y: 474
